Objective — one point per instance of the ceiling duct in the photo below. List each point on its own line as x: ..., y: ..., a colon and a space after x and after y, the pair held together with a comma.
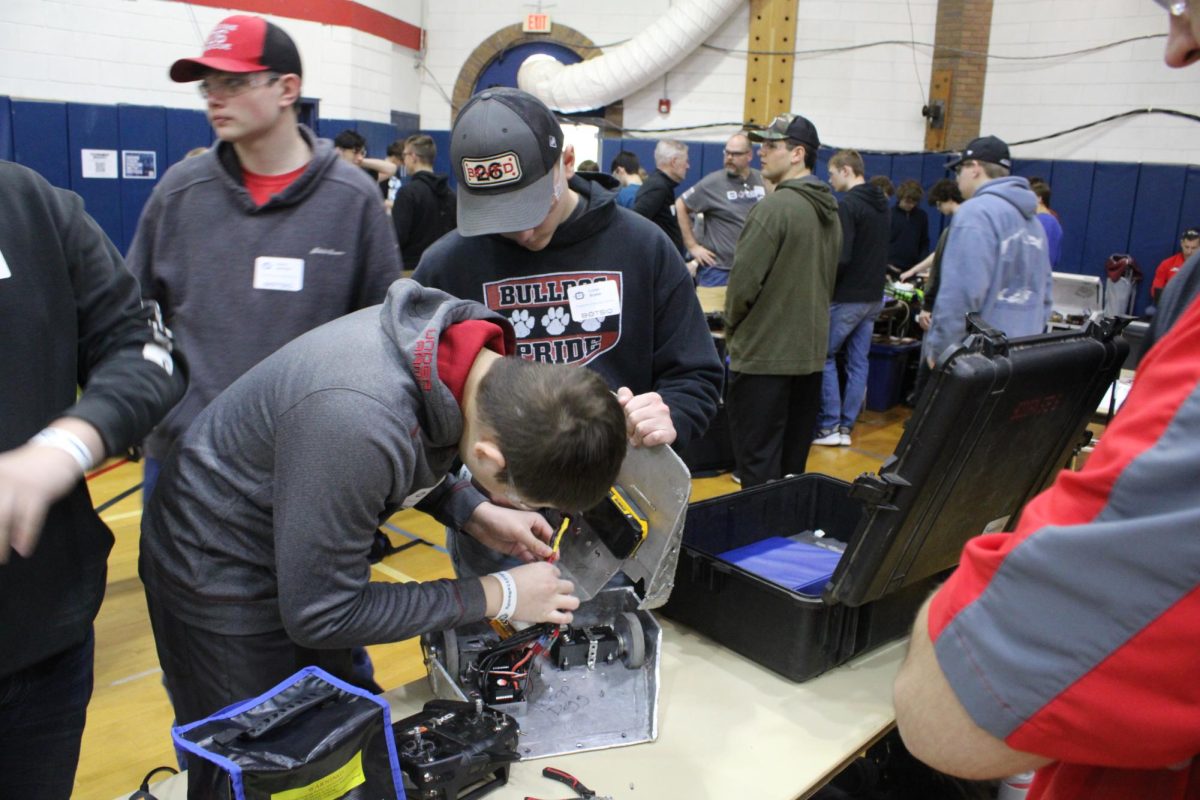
x: 596, y: 82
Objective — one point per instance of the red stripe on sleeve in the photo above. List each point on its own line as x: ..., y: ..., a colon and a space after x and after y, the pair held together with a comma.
x: 1166, y: 376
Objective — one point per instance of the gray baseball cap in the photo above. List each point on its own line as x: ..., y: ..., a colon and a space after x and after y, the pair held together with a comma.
x: 503, y: 148
x: 789, y: 126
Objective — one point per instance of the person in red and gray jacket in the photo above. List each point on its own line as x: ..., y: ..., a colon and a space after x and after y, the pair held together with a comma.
x: 1069, y: 646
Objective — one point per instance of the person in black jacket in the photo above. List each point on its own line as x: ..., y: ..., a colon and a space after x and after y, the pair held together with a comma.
x: 910, y: 227
x: 73, y: 316
x: 424, y: 209
x: 857, y: 295
x: 582, y: 280
x: 656, y: 199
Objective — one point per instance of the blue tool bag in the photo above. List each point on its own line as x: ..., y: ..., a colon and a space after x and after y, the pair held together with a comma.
x: 312, y: 737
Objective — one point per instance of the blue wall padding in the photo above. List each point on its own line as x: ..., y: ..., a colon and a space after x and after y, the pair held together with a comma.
x: 96, y: 127
x: 40, y: 139
x: 142, y: 128
x: 1156, y: 209
x: 1036, y: 168
x: 907, y: 166
x: 1071, y: 182
x: 330, y: 128
x: 1189, y: 209
x: 876, y: 164
x: 6, y: 134
x: 378, y: 135
x: 186, y: 129
x: 1104, y: 207
x: 709, y: 157
x: 1108, y: 221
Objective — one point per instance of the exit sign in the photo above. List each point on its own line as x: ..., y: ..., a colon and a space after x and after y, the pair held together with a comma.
x: 536, y: 23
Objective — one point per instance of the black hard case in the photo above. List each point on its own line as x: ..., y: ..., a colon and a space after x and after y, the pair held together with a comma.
x: 995, y: 424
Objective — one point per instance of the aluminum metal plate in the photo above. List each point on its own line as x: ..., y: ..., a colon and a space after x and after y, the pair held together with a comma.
x: 579, y: 709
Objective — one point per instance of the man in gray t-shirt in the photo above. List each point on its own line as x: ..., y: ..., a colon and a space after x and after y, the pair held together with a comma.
x: 724, y: 197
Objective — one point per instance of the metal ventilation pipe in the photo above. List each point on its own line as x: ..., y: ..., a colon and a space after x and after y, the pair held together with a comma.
x: 630, y: 66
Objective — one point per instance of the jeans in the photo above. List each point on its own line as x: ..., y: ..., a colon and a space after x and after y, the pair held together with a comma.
x: 850, y: 326
x: 42, y: 711
x: 712, y: 276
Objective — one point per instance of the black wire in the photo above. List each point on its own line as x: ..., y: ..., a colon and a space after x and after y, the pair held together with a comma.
x: 907, y: 42
x: 912, y: 31
x: 489, y: 657
x: 822, y: 51
x: 1133, y: 113
x: 603, y: 123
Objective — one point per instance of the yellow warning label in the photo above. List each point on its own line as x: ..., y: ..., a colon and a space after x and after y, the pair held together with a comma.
x: 334, y: 785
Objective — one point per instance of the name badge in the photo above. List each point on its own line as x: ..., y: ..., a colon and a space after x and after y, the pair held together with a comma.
x: 594, y: 300
x: 279, y: 274
x: 419, y: 494
x: 5, y: 272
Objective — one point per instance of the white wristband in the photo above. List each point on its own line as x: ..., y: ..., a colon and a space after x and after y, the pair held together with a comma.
x: 66, y: 441
x: 508, y: 596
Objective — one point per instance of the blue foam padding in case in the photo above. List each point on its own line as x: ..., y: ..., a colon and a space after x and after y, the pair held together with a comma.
x: 801, y: 567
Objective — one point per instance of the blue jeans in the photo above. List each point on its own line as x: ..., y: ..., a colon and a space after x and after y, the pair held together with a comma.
x: 42, y: 711
x: 712, y: 276
x: 850, y: 326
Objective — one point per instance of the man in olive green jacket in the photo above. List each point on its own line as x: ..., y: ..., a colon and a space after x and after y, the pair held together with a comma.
x: 777, y: 307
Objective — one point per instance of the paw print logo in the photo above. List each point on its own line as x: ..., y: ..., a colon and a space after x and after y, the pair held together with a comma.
x: 555, y: 320
x: 592, y: 323
x: 521, y: 322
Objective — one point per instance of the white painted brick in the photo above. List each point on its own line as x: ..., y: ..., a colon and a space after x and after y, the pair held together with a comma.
x: 865, y: 98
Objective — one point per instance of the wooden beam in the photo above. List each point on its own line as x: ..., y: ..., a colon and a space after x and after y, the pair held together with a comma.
x: 769, y: 77
x: 939, y: 97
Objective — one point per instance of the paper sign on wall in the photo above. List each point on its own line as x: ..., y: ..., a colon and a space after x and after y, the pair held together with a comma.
x: 99, y: 163
x: 139, y: 164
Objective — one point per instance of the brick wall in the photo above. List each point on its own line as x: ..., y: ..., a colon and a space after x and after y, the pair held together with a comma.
x: 118, y: 51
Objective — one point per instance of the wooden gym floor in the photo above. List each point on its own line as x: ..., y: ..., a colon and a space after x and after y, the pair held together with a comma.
x: 128, y: 726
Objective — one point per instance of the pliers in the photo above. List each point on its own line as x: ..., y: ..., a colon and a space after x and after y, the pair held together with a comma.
x: 581, y: 792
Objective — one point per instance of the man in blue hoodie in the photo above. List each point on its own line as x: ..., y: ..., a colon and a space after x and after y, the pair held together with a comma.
x: 996, y: 260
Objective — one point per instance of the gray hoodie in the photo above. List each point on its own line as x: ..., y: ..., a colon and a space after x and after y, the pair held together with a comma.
x: 996, y: 262
x: 204, y: 250
x: 265, y: 510
x: 784, y: 268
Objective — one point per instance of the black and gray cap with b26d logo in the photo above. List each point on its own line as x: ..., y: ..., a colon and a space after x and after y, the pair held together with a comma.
x: 503, y: 147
